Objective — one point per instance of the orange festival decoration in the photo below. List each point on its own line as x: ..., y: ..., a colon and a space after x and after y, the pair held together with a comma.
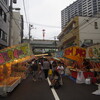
x: 75, y: 53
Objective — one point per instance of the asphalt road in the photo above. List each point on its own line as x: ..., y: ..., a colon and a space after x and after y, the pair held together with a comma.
x: 40, y: 90
x: 73, y: 91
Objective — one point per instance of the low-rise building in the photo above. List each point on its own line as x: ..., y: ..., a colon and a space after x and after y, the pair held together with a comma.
x: 80, y: 31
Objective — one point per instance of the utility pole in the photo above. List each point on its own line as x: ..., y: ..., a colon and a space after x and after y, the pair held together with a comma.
x: 55, y: 42
x: 43, y: 33
x: 30, y: 27
x: 10, y: 21
x: 11, y: 17
x: 29, y: 32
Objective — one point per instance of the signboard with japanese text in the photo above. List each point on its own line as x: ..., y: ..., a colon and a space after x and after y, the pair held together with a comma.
x: 16, y: 52
x: 93, y: 52
x: 75, y: 53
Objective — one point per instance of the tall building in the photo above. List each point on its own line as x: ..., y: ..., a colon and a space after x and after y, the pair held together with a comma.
x: 79, y: 8
x: 4, y: 23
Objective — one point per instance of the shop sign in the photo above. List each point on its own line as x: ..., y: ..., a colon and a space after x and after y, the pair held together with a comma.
x: 75, y: 53
x: 59, y: 54
x: 93, y: 52
x: 15, y: 52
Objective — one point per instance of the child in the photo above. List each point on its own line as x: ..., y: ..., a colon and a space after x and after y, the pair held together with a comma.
x: 55, y: 82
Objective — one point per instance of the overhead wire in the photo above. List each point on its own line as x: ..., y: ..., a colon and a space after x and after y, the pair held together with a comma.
x: 46, y: 25
x: 7, y: 8
x: 51, y: 26
x: 25, y: 12
x: 83, y: 23
x: 41, y: 24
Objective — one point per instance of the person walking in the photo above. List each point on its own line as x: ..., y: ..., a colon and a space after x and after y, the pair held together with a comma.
x: 40, y: 71
x: 35, y: 70
x: 46, y: 67
x: 60, y: 69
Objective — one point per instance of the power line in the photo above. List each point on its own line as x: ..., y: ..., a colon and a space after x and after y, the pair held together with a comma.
x: 47, y: 25
x: 41, y: 24
x: 84, y: 26
x: 90, y: 22
x: 5, y: 6
x: 16, y: 22
x: 25, y: 12
x: 89, y: 33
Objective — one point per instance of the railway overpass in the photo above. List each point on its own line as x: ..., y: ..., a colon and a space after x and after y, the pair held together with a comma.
x: 42, y: 45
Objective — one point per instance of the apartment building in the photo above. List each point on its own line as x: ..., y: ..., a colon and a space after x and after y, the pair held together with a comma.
x: 79, y: 8
x: 4, y: 23
x: 80, y: 30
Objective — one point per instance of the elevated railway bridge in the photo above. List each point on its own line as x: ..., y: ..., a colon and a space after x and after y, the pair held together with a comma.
x: 43, y: 45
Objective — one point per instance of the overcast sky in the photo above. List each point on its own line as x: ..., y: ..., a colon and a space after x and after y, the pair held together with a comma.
x: 43, y: 14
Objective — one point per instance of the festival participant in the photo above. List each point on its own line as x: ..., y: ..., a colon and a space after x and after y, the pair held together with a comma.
x: 35, y: 70
x: 46, y: 67
x: 54, y: 65
x: 55, y: 82
x: 40, y: 71
x: 60, y: 69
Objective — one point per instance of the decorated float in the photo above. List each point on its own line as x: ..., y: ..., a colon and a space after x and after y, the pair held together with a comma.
x: 13, y: 66
x: 76, y: 56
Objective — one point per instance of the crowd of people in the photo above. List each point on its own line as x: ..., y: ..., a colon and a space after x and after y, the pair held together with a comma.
x: 43, y: 68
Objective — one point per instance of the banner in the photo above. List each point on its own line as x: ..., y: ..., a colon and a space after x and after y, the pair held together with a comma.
x: 75, y: 53
x: 16, y: 52
x: 93, y: 52
x: 59, y: 54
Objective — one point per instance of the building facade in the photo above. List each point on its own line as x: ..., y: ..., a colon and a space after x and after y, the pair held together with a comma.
x: 79, y: 31
x: 79, y: 8
x: 16, y: 29
x: 4, y: 23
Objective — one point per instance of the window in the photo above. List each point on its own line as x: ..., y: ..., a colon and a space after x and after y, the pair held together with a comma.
x: 88, y: 41
x: 5, y: 17
x: 95, y: 25
x: 3, y: 35
x: 3, y: 14
x: 0, y: 11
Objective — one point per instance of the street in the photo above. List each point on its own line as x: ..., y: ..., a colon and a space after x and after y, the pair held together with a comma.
x: 40, y: 90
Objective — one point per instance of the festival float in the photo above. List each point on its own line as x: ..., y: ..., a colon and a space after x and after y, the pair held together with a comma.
x: 77, y: 57
x: 93, y: 55
x: 13, y: 66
